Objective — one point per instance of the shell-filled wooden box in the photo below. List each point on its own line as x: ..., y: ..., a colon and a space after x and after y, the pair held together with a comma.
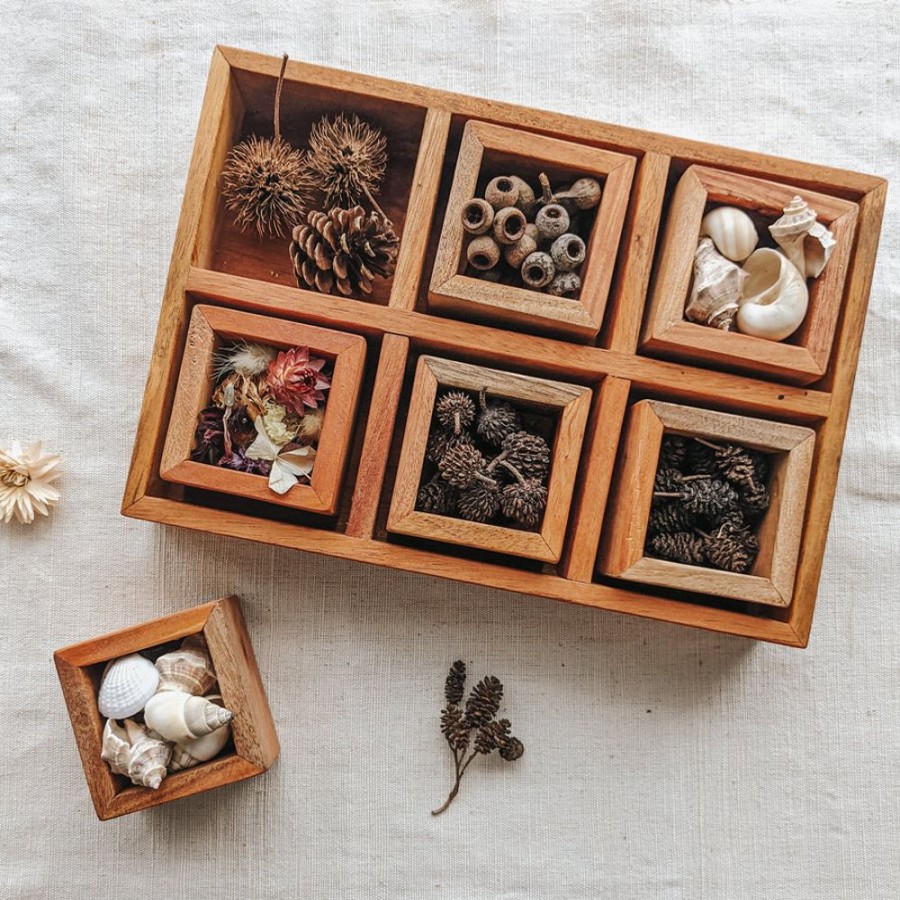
x: 609, y: 372
x: 253, y: 746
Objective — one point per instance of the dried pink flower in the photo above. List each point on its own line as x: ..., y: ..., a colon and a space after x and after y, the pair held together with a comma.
x: 296, y: 379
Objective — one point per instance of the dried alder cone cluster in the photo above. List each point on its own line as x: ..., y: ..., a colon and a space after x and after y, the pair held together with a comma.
x: 324, y: 197
x: 472, y: 729
x: 162, y: 716
x: 486, y: 465
x: 266, y: 413
x: 529, y: 240
x: 761, y: 292
x: 708, y: 499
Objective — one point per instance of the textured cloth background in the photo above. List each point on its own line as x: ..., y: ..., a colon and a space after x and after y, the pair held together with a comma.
x: 660, y: 762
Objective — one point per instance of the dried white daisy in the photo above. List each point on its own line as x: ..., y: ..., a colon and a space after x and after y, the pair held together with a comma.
x: 26, y: 477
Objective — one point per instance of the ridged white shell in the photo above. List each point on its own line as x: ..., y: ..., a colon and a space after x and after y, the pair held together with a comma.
x: 135, y: 752
x: 716, y: 289
x: 180, y: 717
x: 189, y: 668
x: 127, y: 684
x: 201, y: 749
x: 775, y: 297
x: 732, y: 231
x: 806, y: 242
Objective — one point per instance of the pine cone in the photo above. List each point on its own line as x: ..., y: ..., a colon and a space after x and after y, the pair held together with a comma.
x: 481, y: 502
x: 484, y: 701
x: 667, y: 518
x: 455, y: 410
x: 462, y: 465
x: 709, y: 497
x: 437, y: 497
x: 701, y: 459
x: 455, y: 685
x: 528, y: 453
x: 754, y: 499
x: 683, y: 547
x: 668, y: 481
x: 512, y: 749
x: 344, y: 249
x: 673, y: 452
x: 524, y: 502
x: 454, y: 727
x: 496, y: 420
x: 732, y: 549
x: 439, y: 442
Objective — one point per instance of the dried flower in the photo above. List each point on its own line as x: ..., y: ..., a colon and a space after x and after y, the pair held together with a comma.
x: 289, y: 463
x: 265, y: 182
x: 475, y: 725
x: 243, y: 358
x: 279, y: 427
x: 296, y: 379
x: 26, y: 482
x: 243, y: 463
x: 346, y: 160
x: 209, y: 439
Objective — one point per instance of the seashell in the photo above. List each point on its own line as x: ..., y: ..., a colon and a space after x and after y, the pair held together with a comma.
x: 731, y: 230
x: 135, y: 752
x: 178, y: 716
x: 775, y: 297
x: 128, y: 683
x: 716, y: 290
x: 201, y: 749
x: 805, y: 242
x: 187, y: 669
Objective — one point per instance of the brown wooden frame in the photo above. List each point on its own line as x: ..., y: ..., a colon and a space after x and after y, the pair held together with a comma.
x: 572, y: 403
x: 805, y: 357
x: 771, y: 580
x: 240, y: 80
x: 459, y: 295
x: 255, y: 741
x: 209, y: 326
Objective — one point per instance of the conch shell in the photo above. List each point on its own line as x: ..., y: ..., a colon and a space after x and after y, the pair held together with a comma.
x: 805, y: 242
x: 128, y: 683
x: 775, y: 297
x: 732, y: 231
x: 189, y: 668
x: 135, y: 752
x: 201, y: 749
x: 178, y: 716
x: 716, y: 290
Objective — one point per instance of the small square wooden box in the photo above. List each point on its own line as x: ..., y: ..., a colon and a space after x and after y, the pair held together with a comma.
x: 801, y: 359
x: 570, y: 402
x: 460, y: 295
x: 771, y: 580
x: 209, y: 327
x: 255, y: 743
x: 426, y: 130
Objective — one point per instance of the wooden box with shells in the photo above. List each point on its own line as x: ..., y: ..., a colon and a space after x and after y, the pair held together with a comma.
x: 382, y: 189
x: 168, y: 708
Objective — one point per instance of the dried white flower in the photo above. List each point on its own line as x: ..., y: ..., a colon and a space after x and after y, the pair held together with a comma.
x: 26, y: 477
x: 277, y: 428
x: 288, y: 466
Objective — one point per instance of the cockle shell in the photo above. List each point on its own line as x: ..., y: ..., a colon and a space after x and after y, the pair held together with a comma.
x: 716, y: 290
x: 135, y: 752
x: 127, y: 684
x: 178, y: 716
x: 775, y: 297
x: 201, y: 749
x: 188, y: 668
x: 804, y: 241
x: 732, y: 231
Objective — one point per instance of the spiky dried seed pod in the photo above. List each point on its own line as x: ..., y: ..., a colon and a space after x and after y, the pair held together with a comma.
x: 524, y: 502
x: 682, y: 546
x: 455, y: 685
x: 509, y: 225
x: 484, y: 701
x: 344, y: 249
x: 462, y: 466
x: 529, y: 453
x: 346, y: 160
x: 455, y: 410
x: 496, y: 420
x: 477, y: 216
x: 436, y: 497
x: 481, y: 502
x: 439, y: 442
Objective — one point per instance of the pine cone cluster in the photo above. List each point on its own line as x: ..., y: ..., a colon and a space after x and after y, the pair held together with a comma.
x: 483, y: 464
x: 708, y: 498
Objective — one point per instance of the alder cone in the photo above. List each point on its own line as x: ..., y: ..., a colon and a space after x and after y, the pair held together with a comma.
x: 344, y: 249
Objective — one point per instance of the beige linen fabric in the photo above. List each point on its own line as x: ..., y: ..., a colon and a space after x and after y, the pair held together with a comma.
x: 660, y: 762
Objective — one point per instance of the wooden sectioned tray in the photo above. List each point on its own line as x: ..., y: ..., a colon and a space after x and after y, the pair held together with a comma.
x: 623, y: 363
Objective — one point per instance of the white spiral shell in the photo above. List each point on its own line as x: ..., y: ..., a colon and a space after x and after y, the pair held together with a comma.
x: 775, y: 297
x: 189, y: 668
x: 127, y: 684
x: 178, y: 716
x: 201, y: 749
x: 732, y: 231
